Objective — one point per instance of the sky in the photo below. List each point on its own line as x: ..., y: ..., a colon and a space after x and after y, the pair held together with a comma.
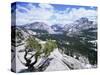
x: 50, y: 13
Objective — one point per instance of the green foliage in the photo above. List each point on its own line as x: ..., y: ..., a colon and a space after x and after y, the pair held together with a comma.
x: 32, y: 43
x: 49, y: 47
x: 81, y: 44
x: 84, y: 43
x: 90, y: 44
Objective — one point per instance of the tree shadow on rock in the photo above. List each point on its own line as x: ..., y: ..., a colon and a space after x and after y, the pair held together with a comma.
x: 41, y: 68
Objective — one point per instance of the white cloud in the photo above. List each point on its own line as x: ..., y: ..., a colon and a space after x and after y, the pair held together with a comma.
x: 76, y: 14
x: 48, y: 6
x: 47, y: 13
x: 31, y: 15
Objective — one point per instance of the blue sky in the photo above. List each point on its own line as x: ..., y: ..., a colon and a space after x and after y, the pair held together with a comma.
x: 51, y: 13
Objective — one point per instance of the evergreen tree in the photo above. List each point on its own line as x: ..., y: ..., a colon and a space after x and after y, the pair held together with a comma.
x: 34, y: 49
x: 49, y: 47
x: 83, y: 43
x: 89, y: 41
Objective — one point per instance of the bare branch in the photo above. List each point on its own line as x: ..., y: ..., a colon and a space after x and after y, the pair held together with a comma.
x: 21, y: 61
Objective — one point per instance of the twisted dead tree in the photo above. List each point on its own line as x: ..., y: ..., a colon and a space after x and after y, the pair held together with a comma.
x: 34, y: 50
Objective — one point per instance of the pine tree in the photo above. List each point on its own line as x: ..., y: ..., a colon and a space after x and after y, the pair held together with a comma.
x: 89, y: 41
x: 83, y: 43
x: 49, y: 47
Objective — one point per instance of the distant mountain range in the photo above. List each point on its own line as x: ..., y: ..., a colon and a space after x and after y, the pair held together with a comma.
x: 73, y: 28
